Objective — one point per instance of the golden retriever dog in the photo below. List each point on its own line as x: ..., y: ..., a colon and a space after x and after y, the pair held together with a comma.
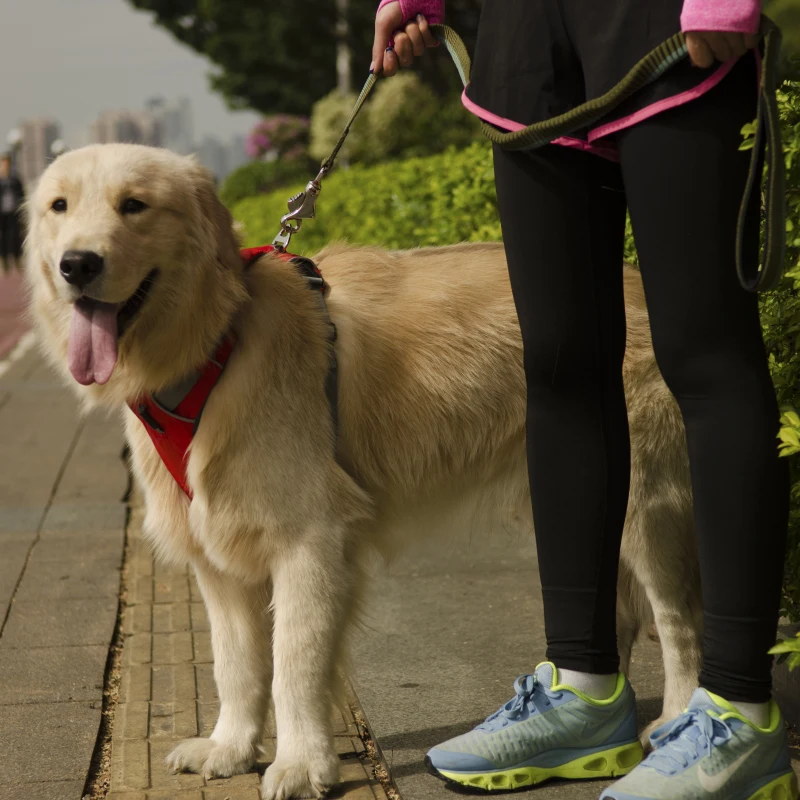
x: 135, y: 276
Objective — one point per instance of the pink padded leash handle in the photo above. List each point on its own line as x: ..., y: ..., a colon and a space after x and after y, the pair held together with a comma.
x: 432, y: 10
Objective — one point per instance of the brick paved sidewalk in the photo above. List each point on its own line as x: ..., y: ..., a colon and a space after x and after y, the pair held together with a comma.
x: 167, y: 693
x: 62, y: 533
x: 62, y: 525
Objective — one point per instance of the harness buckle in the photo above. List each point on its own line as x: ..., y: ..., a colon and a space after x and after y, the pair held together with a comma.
x: 147, y: 417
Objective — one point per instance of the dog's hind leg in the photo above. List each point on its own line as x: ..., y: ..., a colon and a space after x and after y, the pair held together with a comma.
x: 240, y: 638
x: 313, y: 584
x: 670, y: 577
x: 628, y: 617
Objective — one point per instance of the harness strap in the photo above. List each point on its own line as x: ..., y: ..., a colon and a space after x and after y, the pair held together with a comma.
x: 313, y: 276
x: 171, y: 419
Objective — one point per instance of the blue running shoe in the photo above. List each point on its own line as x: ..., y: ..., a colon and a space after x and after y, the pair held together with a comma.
x: 711, y: 752
x: 545, y: 731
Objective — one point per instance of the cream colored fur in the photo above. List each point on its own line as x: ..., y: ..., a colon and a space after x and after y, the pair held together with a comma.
x: 432, y: 416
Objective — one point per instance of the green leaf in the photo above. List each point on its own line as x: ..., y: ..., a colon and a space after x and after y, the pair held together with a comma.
x: 786, y: 646
x: 791, y: 418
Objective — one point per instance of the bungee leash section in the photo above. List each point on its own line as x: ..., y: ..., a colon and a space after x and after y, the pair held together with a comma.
x: 768, y: 134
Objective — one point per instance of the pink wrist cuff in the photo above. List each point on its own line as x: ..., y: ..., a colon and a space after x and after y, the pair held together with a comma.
x: 735, y: 16
x: 432, y: 10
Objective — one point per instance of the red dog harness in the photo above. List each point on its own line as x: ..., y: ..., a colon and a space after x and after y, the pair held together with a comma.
x: 171, y: 417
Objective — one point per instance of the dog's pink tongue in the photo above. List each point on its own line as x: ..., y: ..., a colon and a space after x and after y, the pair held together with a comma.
x: 92, y: 348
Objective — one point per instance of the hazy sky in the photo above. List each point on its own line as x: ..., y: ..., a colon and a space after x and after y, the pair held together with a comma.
x: 72, y: 59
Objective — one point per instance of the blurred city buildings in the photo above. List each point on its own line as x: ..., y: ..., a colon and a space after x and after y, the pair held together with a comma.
x: 161, y: 123
x: 33, y: 144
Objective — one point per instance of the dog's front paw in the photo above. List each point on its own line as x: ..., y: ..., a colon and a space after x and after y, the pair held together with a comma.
x: 212, y: 759
x: 644, y: 737
x: 290, y: 780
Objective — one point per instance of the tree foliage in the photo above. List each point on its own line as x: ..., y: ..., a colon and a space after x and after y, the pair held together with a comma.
x: 280, y: 55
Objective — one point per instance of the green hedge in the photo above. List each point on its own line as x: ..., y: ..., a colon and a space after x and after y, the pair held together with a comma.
x: 450, y: 198
x: 420, y: 201
x: 261, y: 177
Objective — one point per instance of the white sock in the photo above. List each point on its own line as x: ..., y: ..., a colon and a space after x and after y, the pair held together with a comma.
x: 598, y: 687
x: 757, y: 713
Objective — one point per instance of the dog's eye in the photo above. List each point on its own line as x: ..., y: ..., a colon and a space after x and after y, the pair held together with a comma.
x: 59, y: 205
x: 132, y: 206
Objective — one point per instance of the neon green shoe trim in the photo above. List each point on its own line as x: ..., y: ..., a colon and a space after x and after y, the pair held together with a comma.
x: 558, y: 687
x: 783, y: 788
x: 731, y: 712
x: 604, y: 764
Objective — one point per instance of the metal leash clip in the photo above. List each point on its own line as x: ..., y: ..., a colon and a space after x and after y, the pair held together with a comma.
x: 301, y: 206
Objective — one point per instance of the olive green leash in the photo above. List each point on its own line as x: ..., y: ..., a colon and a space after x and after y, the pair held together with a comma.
x: 649, y: 69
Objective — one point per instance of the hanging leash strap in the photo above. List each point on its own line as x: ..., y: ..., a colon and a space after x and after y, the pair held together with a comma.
x: 303, y: 205
x: 649, y: 69
x: 768, y: 133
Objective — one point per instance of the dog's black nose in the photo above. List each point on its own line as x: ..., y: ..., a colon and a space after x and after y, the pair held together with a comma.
x: 80, y: 267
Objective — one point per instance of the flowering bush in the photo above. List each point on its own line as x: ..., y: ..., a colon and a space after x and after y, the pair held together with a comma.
x: 283, y: 136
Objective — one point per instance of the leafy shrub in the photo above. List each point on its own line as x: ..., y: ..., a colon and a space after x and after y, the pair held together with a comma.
x: 451, y: 198
x: 788, y: 650
x: 403, y: 118
x: 416, y: 202
x: 328, y: 118
x: 261, y: 177
x: 780, y: 318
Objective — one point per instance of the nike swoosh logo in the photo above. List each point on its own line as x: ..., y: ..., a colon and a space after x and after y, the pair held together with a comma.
x: 591, y: 728
x: 713, y: 783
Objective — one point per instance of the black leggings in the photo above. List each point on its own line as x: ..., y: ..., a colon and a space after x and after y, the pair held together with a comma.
x: 563, y: 215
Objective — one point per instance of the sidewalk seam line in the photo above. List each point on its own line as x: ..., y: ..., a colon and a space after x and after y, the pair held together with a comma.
x: 61, y: 470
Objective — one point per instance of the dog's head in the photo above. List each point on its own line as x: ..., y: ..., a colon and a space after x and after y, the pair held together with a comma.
x: 128, y: 252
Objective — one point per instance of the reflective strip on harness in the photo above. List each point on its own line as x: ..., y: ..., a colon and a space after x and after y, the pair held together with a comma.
x: 171, y: 417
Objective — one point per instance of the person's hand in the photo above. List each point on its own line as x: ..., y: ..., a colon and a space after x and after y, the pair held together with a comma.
x: 705, y: 46
x: 408, y: 42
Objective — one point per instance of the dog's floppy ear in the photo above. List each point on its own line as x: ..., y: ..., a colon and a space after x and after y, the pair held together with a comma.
x: 213, y: 222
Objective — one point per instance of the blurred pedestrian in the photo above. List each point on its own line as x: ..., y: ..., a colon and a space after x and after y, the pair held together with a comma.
x: 12, y: 196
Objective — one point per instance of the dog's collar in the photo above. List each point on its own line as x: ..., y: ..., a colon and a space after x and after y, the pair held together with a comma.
x: 171, y: 417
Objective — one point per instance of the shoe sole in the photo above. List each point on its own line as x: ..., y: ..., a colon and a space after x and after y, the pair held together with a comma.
x: 611, y: 763
x: 783, y: 788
